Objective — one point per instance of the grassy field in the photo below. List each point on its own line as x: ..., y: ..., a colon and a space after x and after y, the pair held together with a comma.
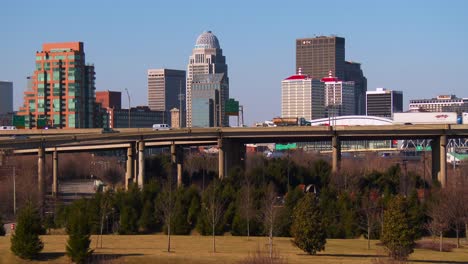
x: 198, y: 249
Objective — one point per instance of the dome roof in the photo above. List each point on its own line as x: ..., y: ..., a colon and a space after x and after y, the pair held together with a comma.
x: 207, y: 40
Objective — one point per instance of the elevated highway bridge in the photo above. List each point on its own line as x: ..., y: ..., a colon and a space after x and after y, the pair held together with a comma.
x: 230, y: 141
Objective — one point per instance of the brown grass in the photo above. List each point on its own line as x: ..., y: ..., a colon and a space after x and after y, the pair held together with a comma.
x: 197, y: 249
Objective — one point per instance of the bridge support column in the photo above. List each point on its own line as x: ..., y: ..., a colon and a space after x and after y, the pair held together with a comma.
x: 336, y: 154
x: 221, y: 158
x: 54, y: 174
x: 177, y: 160
x: 141, y: 164
x: 439, y: 160
x: 232, y: 153
x: 129, y: 176
x: 41, y: 175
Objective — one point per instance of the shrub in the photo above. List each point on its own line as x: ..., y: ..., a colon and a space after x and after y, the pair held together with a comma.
x: 307, y: 228
x: 79, y: 231
x: 397, y: 234
x: 25, y: 242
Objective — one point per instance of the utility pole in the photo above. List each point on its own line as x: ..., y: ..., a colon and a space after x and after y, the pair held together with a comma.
x: 14, y: 190
x: 129, y: 106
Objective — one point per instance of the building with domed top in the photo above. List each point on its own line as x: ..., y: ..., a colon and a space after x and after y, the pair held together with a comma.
x: 207, y: 58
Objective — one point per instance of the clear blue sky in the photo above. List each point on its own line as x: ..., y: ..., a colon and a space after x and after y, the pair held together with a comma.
x: 417, y: 46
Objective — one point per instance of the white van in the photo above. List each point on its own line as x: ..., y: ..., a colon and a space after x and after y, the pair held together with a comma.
x: 161, y: 127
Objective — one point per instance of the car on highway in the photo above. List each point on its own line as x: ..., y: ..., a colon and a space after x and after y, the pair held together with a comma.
x: 19, y: 137
x: 157, y: 127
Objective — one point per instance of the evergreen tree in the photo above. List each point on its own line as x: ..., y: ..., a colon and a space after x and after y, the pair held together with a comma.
x: 147, y: 220
x: 25, y: 242
x: 79, y: 232
x: 307, y: 228
x: 397, y: 235
x: 2, y: 228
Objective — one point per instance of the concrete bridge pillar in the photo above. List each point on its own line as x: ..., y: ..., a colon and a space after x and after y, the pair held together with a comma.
x: 54, y: 174
x: 336, y: 154
x: 129, y: 176
x: 177, y: 160
x: 231, y: 154
x: 141, y: 164
x: 221, y: 158
x: 439, y: 160
x: 41, y: 175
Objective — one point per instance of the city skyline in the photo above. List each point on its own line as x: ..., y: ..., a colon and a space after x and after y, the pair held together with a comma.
x: 414, y: 47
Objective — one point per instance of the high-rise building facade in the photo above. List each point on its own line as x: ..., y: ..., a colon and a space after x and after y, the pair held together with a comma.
x: 166, y: 90
x: 383, y: 102
x: 209, y: 95
x: 63, y: 93
x: 339, y: 96
x: 112, y: 99
x: 137, y: 117
x: 442, y: 103
x: 317, y: 56
x: 207, y: 58
x: 6, y: 97
x: 302, y: 96
x: 353, y: 72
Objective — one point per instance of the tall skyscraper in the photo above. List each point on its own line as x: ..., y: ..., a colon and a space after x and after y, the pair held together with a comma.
x: 209, y: 95
x: 317, y: 56
x: 166, y: 90
x: 6, y: 97
x: 112, y: 99
x: 339, y: 96
x: 353, y: 72
x: 302, y: 96
x: 207, y: 58
x: 383, y: 102
x: 63, y: 88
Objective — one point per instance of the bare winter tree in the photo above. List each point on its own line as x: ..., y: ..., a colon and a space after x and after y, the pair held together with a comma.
x: 271, y: 209
x: 214, y: 206
x: 439, y: 222
x: 371, y: 212
x: 456, y: 209
x: 246, y: 206
x: 166, y: 206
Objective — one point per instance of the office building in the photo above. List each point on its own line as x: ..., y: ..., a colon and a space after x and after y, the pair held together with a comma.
x: 383, y: 102
x: 6, y: 97
x: 207, y: 58
x: 319, y: 55
x: 209, y: 96
x: 442, y: 103
x: 302, y: 96
x: 166, y: 90
x: 63, y: 89
x: 353, y: 72
x: 137, y: 117
x: 112, y: 99
x: 339, y: 96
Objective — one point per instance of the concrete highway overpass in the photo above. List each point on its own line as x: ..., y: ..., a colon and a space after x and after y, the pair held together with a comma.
x: 230, y: 141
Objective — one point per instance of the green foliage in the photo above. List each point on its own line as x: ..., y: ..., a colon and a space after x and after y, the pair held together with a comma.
x: 130, y: 210
x: 79, y: 232
x: 307, y: 228
x: 211, y: 207
x: 25, y: 242
x: 398, y: 235
x: 2, y: 228
x: 147, y: 220
x: 285, y: 218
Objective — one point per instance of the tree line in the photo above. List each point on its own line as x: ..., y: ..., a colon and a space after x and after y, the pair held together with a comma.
x: 273, y: 197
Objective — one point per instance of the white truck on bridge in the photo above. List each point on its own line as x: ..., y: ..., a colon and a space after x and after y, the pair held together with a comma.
x: 425, y: 118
